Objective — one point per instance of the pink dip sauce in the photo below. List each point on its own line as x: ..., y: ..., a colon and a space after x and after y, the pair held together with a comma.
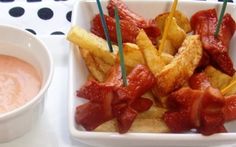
x: 19, y: 83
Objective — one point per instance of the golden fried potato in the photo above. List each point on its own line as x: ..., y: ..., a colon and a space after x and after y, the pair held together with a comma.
x: 217, y: 78
x: 221, y: 80
x: 91, y: 64
x: 109, y: 126
x: 168, y: 47
x: 102, y: 66
x: 150, y: 125
x: 175, y: 38
x: 94, y: 51
x: 175, y: 74
x: 149, y: 122
x: 94, y: 44
x: 150, y: 53
x: 176, y: 35
x: 181, y: 20
x: 153, y: 112
x: 167, y: 58
x: 179, y: 26
x: 132, y: 56
x: 154, y: 125
x: 230, y: 89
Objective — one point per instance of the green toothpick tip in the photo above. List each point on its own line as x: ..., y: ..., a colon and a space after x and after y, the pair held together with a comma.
x: 120, y: 45
x: 104, y: 26
x: 220, y: 18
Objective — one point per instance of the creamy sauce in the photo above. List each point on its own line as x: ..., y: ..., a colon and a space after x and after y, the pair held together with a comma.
x: 19, y: 83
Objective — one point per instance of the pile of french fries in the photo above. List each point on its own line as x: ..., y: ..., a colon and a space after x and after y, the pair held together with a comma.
x: 172, y: 68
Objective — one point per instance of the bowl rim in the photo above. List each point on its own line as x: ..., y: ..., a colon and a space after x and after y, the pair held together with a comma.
x: 44, y: 87
x: 159, y: 1
x: 81, y: 135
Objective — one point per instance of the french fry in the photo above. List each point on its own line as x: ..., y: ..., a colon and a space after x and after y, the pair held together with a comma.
x: 153, y: 112
x: 181, y: 20
x: 175, y: 38
x: 94, y: 51
x: 217, y: 78
x: 94, y: 44
x: 179, y: 26
x: 167, y: 58
x: 156, y: 125
x: 102, y: 66
x: 150, y: 53
x: 141, y: 125
x: 91, y: 64
x: 232, y: 89
x: 109, y: 126
x: 176, y: 35
x: 175, y: 74
x: 132, y: 55
x: 168, y: 47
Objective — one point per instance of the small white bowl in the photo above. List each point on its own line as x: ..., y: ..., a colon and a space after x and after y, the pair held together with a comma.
x: 25, y: 46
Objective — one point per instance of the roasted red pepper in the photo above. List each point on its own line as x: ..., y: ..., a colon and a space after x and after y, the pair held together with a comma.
x: 204, y: 23
x: 182, y: 104
x: 130, y: 22
x: 126, y: 14
x: 230, y: 108
x: 109, y: 101
x: 199, y: 81
x: 211, y: 115
x: 129, y: 31
x: 200, y: 108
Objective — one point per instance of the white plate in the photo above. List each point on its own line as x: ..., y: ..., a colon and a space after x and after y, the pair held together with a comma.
x: 83, y: 12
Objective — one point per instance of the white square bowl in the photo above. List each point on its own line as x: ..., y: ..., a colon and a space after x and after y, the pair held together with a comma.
x: 83, y: 12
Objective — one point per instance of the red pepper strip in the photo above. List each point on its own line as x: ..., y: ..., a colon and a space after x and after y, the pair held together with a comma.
x: 109, y: 101
x: 90, y: 115
x: 211, y: 115
x: 125, y: 119
x: 230, y: 108
x: 204, y: 23
x: 126, y: 14
x: 114, y: 77
x: 195, y: 109
x: 181, y: 104
x: 128, y: 101
x: 140, y: 80
x: 199, y: 81
x: 141, y: 104
x: 129, y: 31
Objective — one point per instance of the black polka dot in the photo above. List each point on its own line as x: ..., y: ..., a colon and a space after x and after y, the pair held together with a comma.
x: 34, y: 0
x: 57, y: 33
x: 45, y: 13
x: 6, y: 0
x: 16, y: 11
x: 68, y: 16
x: 31, y: 31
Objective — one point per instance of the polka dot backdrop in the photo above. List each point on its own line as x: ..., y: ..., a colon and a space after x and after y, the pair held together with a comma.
x: 41, y: 17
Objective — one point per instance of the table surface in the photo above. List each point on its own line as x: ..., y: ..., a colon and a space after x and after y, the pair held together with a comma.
x: 52, y: 128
